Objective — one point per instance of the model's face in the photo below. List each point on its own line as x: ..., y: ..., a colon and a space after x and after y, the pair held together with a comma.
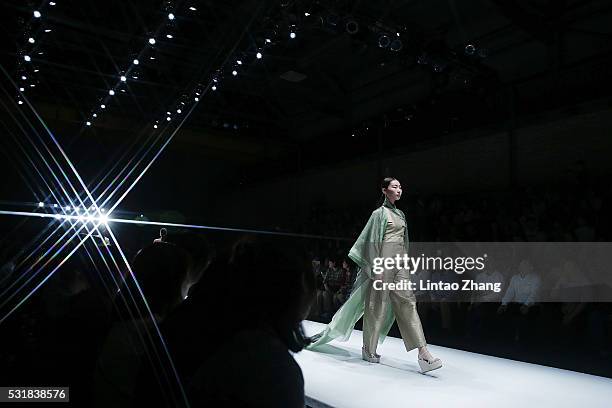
x: 394, y: 191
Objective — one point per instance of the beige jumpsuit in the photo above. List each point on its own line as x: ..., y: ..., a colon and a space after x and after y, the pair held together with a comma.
x: 403, y: 302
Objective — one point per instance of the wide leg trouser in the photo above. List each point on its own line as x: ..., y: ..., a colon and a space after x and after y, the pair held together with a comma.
x: 403, y: 303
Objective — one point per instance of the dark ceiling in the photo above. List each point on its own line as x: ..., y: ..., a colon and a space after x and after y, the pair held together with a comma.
x: 331, y: 92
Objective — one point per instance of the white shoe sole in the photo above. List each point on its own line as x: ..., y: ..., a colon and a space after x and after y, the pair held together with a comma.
x: 426, y: 367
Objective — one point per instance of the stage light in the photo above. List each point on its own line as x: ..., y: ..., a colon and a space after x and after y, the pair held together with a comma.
x: 111, y: 92
x: 41, y: 204
x: 192, y: 8
x: 154, y: 126
x: 48, y: 30
x: 103, y: 106
x: 31, y: 40
x: 32, y: 85
x: 27, y: 58
x: 384, y: 41
x: 196, y: 99
x: 123, y: 78
x: 268, y: 41
x: 170, y: 16
x: 152, y: 41
x: 22, y: 89
x: 23, y: 77
x: 234, y: 72
x: 352, y: 27
x: 178, y: 111
x: 36, y: 70
x: 104, y: 218
x: 67, y: 208
x: 54, y: 205
x: 214, y: 87
x: 136, y: 62
x: 88, y: 123
x: 95, y: 115
x: 292, y: 35
x: 20, y: 102
x: 52, y: 3
x: 169, y: 36
x: 168, y: 113
x: 37, y: 14
x: 307, y: 14
x: 258, y: 55
x: 151, y: 58
x: 396, y: 45
x: 168, y: 119
x: 239, y: 62
x: 103, y: 210
x: 470, y: 49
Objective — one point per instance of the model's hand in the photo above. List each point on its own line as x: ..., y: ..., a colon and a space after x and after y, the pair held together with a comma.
x: 501, y: 309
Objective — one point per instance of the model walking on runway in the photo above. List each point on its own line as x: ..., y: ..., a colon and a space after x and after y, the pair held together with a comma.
x: 385, y: 235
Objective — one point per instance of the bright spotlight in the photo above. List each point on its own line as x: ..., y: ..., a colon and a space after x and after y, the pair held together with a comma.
x: 111, y: 92
x: 178, y: 111
x: 24, y: 77
x: 292, y: 35
x: 152, y: 41
x: 67, y: 208
x: 268, y: 41
x: 27, y: 58
x: 239, y: 62
x: 258, y: 55
x: 37, y: 14
x: 88, y: 123
x: 196, y: 99
x: 192, y: 8
x: 136, y: 62
x: 234, y: 72
x: 22, y: 89
x: 154, y: 126
x: 123, y: 78
x: 31, y: 40
x: 169, y: 36
x: 214, y: 88
x: 168, y: 119
x: 20, y: 102
x: 41, y: 204
x: 95, y: 115
x: 170, y: 16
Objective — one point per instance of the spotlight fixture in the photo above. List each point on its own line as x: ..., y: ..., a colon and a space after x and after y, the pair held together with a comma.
x: 169, y: 36
x: 37, y: 14
x: 95, y: 115
x: 234, y: 72
x: 214, y: 88
x: 41, y: 204
x: 196, y: 99
x: 111, y: 92
x: 22, y: 89
x: 396, y: 45
x: 170, y: 16
x: 136, y: 62
x: 307, y: 14
x: 27, y: 58
x: 258, y: 55
x: 292, y: 35
x: 103, y: 106
x: 352, y: 27
x: 24, y: 77
x: 192, y: 8
x: 470, y: 49
x: 168, y: 119
x: 152, y: 41
x: 31, y: 40
x: 20, y: 102
x: 47, y: 30
x: 155, y: 126
x: 179, y: 111
x: 384, y: 41
x: 239, y: 62
x: 123, y: 78
x: 88, y: 123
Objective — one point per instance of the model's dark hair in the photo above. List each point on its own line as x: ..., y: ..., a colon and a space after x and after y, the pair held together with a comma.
x: 384, y: 184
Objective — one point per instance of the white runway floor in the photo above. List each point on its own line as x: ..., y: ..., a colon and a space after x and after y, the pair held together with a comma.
x: 338, y: 377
